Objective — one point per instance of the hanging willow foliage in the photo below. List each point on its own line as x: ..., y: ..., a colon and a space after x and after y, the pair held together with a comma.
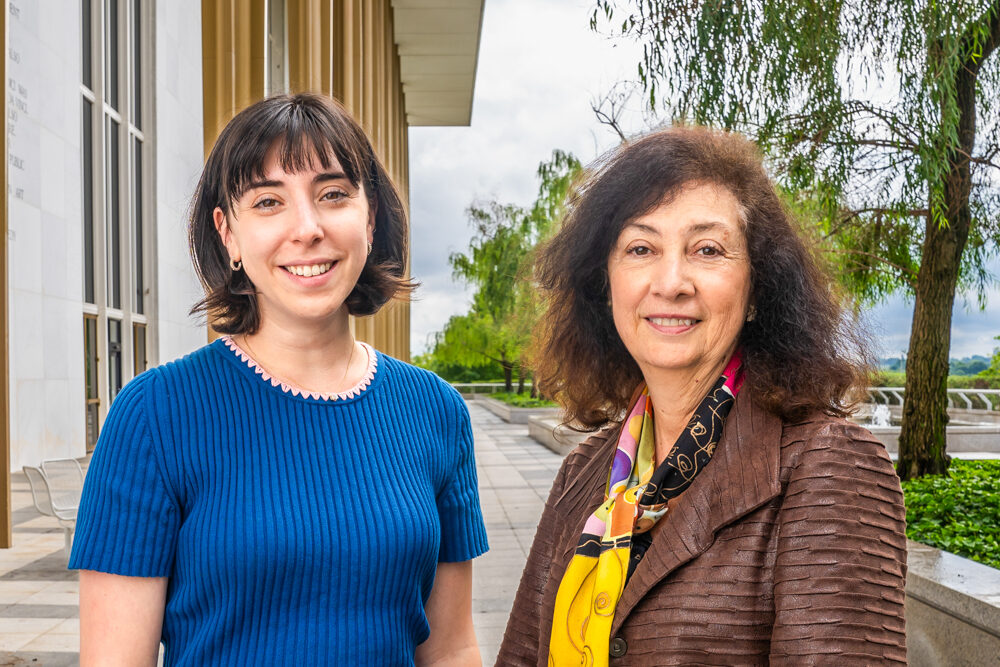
x: 856, y: 104
x: 882, y: 120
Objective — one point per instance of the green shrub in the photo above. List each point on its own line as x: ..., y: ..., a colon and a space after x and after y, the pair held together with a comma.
x: 973, y: 382
x: 888, y: 379
x: 458, y: 373
x: 959, y: 512
x: 897, y: 379
x: 523, y: 400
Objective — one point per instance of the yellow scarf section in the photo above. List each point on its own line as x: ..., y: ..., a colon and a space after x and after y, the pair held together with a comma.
x: 595, y: 578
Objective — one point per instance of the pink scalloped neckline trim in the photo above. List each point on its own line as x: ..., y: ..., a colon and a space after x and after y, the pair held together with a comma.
x: 356, y: 390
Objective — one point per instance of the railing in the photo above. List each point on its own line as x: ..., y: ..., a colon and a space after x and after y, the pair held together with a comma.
x: 968, y: 399
x: 484, y: 387
x: 984, y: 400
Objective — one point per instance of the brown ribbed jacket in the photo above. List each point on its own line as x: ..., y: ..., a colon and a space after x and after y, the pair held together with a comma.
x: 788, y: 549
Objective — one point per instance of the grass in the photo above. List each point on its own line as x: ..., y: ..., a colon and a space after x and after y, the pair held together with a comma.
x: 959, y: 512
x: 523, y: 400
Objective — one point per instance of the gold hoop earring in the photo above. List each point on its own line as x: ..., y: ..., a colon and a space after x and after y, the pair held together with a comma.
x: 235, y: 264
x: 369, y: 247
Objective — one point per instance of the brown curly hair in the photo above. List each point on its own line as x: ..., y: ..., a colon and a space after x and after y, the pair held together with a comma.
x: 801, y: 351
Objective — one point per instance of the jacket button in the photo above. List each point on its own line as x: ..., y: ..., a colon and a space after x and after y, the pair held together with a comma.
x: 618, y: 647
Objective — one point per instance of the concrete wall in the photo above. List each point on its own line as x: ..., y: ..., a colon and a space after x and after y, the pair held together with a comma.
x: 961, y: 439
x: 957, y: 415
x: 952, y: 609
x: 179, y: 159
x: 45, y: 238
x: 47, y: 415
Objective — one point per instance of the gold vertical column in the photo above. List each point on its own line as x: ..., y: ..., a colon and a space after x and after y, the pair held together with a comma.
x: 329, y: 45
x: 348, y: 56
x: 234, y: 60
x: 6, y: 537
x: 310, y: 46
x: 233, y: 63
x: 350, y: 86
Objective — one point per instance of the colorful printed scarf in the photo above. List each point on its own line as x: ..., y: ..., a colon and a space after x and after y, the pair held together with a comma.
x: 637, y: 497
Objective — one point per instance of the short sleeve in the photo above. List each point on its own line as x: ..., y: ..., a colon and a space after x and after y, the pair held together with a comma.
x: 128, y: 520
x: 463, y: 533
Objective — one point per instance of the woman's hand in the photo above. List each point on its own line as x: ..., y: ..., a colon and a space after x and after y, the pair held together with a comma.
x: 121, y: 619
x: 452, y: 642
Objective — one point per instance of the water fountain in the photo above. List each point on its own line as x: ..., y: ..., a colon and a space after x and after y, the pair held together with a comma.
x: 881, y: 416
x: 973, y: 431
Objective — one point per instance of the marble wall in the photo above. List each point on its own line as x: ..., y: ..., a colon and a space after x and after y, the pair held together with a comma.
x: 45, y: 234
x: 179, y: 158
x: 45, y: 298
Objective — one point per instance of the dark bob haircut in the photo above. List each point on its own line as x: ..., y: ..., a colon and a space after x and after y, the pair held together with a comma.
x: 801, y: 352
x: 302, y: 129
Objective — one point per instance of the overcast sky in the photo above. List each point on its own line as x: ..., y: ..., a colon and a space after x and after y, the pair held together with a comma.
x: 540, y: 67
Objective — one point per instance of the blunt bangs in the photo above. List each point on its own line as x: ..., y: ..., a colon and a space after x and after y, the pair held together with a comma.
x: 300, y: 135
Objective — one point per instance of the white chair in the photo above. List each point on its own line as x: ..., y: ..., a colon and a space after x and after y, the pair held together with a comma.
x: 56, y: 488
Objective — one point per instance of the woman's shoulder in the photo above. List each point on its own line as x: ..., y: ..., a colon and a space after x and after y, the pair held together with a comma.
x: 419, y: 385
x: 187, y: 371
x: 824, y: 441
x: 201, y: 360
x: 597, y: 444
x: 209, y: 355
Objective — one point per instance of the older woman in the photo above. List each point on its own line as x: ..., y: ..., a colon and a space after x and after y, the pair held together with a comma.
x: 727, y: 513
x: 286, y: 495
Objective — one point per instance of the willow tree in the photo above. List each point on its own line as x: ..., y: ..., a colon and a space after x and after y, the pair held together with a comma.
x: 497, y: 264
x: 884, y: 114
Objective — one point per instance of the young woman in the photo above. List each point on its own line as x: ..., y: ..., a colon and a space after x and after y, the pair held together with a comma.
x: 286, y: 494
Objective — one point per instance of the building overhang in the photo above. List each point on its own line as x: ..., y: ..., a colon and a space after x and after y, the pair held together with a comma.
x: 438, y: 43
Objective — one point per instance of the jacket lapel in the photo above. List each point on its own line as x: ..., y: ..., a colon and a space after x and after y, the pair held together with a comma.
x: 742, y: 476
x: 586, y: 490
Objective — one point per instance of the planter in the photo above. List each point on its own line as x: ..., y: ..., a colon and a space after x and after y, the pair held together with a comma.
x: 952, y: 609
x: 549, y: 431
x: 513, y: 415
x: 961, y: 439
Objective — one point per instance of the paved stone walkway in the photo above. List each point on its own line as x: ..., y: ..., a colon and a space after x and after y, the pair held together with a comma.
x: 39, y: 598
x: 515, y: 474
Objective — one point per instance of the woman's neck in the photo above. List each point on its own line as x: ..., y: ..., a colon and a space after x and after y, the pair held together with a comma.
x: 676, y: 394
x: 323, y: 359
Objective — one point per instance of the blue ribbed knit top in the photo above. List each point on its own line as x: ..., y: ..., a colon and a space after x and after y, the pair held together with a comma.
x: 295, y: 530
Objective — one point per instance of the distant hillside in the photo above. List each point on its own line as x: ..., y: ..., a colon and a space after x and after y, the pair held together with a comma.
x: 967, y: 366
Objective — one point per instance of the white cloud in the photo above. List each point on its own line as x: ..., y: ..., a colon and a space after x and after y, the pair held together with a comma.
x: 972, y: 330
x: 539, y: 68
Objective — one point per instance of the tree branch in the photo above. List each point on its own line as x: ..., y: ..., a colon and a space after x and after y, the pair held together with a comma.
x: 855, y: 214
x: 991, y: 17
x: 903, y: 273
x: 615, y: 100
x: 894, y: 124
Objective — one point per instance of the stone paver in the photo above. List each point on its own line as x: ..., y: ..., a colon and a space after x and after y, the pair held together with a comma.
x: 515, y: 474
x: 39, y: 598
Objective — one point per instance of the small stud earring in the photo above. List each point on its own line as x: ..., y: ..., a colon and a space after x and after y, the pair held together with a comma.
x: 235, y: 264
x: 751, y: 313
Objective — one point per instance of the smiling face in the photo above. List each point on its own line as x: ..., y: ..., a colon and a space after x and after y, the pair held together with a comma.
x: 302, y: 238
x: 680, y: 282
